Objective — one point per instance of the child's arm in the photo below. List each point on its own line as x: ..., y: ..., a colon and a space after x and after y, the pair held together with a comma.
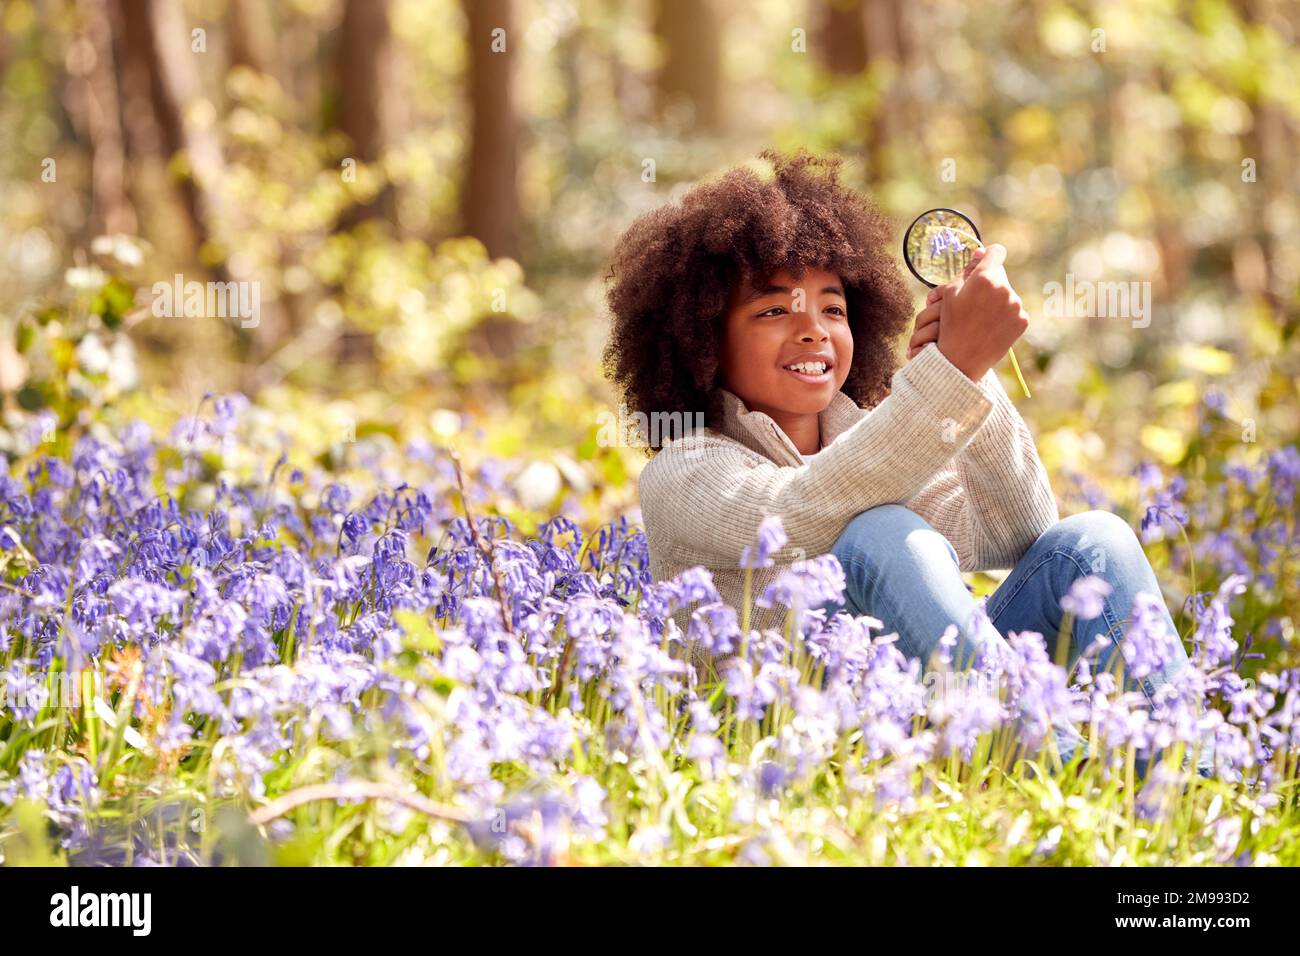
x: 995, y: 499
x: 703, y: 497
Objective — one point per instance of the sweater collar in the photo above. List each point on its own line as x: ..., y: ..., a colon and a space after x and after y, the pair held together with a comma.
x: 760, y: 432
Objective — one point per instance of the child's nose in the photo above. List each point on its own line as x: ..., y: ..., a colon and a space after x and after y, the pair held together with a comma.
x: 811, y: 325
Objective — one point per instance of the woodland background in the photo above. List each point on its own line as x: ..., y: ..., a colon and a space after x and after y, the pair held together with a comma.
x: 428, y: 220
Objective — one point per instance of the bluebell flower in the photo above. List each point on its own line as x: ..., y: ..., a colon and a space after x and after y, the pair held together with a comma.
x: 771, y: 539
x: 1149, y: 646
x: 806, y: 584
x: 1087, y: 597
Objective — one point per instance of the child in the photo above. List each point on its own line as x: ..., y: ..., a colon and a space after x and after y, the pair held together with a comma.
x: 769, y: 301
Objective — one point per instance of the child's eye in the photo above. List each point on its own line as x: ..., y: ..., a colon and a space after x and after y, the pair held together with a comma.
x: 777, y: 309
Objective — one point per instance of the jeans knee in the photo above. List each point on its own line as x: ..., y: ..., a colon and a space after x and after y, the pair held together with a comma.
x: 891, y: 534
x: 1102, y: 539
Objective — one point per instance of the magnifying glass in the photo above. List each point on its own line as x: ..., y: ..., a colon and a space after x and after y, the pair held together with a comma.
x: 938, y: 246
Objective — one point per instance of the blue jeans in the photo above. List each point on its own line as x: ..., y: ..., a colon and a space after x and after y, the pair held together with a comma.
x: 901, y: 570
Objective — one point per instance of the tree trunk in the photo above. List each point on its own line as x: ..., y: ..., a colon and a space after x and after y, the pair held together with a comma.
x: 842, y: 37
x: 361, y: 67
x: 158, y: 40
x: 689, y: 33
x: 490, y: 196
x: 250, y: 34
x: 111, y: 208
x: 1269, y: 143
x: 885, y: 38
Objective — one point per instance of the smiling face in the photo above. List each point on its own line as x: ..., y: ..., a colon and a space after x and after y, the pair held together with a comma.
x: 787, y: 348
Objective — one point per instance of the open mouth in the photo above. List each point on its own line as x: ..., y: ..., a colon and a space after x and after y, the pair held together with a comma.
x: 814, y: 373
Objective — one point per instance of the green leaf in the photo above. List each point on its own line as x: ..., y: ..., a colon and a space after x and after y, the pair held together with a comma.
x: 113, y: 302
x: 420, y: 635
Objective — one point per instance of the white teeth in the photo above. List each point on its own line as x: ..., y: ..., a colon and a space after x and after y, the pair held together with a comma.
x: 808, y: 368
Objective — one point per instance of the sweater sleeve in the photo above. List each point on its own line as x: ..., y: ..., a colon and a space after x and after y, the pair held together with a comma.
x: 704, y: 497
x: 994, y: 499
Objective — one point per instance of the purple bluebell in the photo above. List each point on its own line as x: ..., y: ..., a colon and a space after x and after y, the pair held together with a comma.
x: 1087, y: 597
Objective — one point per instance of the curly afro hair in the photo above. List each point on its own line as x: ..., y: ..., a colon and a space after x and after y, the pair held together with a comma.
x: 674, y: 268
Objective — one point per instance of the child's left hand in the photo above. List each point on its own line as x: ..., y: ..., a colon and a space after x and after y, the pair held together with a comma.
x: 926, y: 328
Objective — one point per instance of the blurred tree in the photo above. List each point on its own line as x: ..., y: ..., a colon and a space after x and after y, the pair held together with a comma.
x: 251, y: 35
x: 888, y: 53
x: 842, y: 37
x: 1269, y: 143
x: 157, y: 38
x: 689, y: 35
x: 92, y: 62
x: 362, y: 87
x: 490, y: 195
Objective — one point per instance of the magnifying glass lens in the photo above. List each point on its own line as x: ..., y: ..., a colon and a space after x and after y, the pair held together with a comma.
x: 939, y: 244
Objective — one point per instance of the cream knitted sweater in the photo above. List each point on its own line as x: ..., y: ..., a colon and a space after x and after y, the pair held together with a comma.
x: 954, y: 451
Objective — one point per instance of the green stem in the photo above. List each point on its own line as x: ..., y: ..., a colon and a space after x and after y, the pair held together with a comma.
x: 1015, y: 367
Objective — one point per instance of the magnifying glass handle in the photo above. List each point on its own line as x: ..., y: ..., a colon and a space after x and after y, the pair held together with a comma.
x: 1015, y: 367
